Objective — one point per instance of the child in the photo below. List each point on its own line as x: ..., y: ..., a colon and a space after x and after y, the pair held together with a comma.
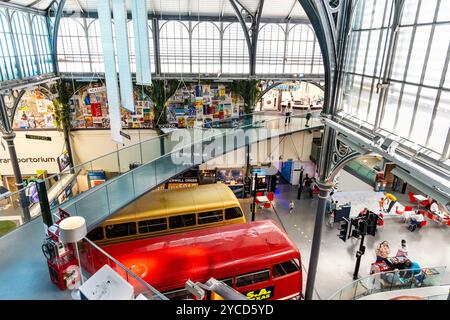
x: 403, y: 251
x: 381, y: 204
x: 291, y: 207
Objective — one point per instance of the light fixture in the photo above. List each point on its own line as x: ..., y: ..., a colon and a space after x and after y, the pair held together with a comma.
x: 72, y: 230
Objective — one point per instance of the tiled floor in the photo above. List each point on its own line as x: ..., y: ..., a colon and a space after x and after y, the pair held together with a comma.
x: 429, y: 246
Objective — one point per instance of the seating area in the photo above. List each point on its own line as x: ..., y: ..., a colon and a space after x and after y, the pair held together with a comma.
x: 264, y: 200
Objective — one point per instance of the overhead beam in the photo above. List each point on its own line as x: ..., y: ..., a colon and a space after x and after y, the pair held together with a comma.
x: 31, y: 5
x: 6, y: 86
x: 194, y: 77
x: 223, y: 9
x: 170, y: 17
x: 79, y: 5
x: 13, y: 6
x: 292, y: 9
x: 245, y: 8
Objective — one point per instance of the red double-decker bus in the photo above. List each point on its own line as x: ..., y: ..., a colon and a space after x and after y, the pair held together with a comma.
x: 257, y: 259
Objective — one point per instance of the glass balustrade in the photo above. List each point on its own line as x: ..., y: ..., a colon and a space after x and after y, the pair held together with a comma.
x: 152, y: 162
x: 390, y: 281
x: 93, y: 258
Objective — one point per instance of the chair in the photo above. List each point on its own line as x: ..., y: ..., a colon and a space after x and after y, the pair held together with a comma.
x: 397, y: 211
x: 270, y: 196
x: 411, y: 198
x: 267, y: 205
x: 424, y: 203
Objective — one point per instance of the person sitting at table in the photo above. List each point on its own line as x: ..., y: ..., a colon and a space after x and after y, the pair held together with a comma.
x: 434, y: 208
x: 382, y: 251
x: 413, y: 272
x: 415, y: 220
x: 392, y: 277
x: 363, y: 212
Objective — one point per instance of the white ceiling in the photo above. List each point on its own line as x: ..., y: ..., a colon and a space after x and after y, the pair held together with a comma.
x: 271, y: 9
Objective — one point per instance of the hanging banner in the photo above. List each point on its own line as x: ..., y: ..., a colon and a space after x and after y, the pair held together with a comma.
x: 123, y: 55
x: 104, y: 16
x: 141, y: 42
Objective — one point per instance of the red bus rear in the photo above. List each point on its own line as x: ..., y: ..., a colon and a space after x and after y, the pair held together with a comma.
x: 257, y: 259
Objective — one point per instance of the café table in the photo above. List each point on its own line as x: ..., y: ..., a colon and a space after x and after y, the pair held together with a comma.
x: 262, y: 199
x: 419, y: 197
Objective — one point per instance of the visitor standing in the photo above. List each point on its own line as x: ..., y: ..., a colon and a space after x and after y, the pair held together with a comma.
x: 392, y: 200
x: 381, y: 204
x: 312, y: 187
x: 288, y: 113
x: 403, y: 250
x: 308, y: 116
x: 291, y: 206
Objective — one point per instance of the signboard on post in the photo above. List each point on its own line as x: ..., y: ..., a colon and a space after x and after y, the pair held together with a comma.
x: 123, y: 134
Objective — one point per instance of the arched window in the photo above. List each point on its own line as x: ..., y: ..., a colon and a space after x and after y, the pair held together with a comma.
x: 72, y: 46
x: 174, y: 47
x: 24, y: 43
x: 95, y: 46
x: 205, y: 48
x: 270, y: 49
x: 302, y: 51
x: 234, y: 50
x: 42, y: 41
x: 8, y: 68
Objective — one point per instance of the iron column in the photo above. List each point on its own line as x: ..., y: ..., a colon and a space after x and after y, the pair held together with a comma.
x: 300, y: 184
x: 315, y: 248
x: 9, y: 138
x: 359, y: 254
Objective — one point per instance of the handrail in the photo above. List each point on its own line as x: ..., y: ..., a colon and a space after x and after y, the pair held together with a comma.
x: 374, y: 276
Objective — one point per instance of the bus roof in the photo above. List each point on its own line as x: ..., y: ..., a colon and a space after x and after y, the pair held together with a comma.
x: 219, y: 252
x: 174, y: 201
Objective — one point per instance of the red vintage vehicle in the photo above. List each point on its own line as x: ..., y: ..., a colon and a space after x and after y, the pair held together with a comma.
x: 257, y: 259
